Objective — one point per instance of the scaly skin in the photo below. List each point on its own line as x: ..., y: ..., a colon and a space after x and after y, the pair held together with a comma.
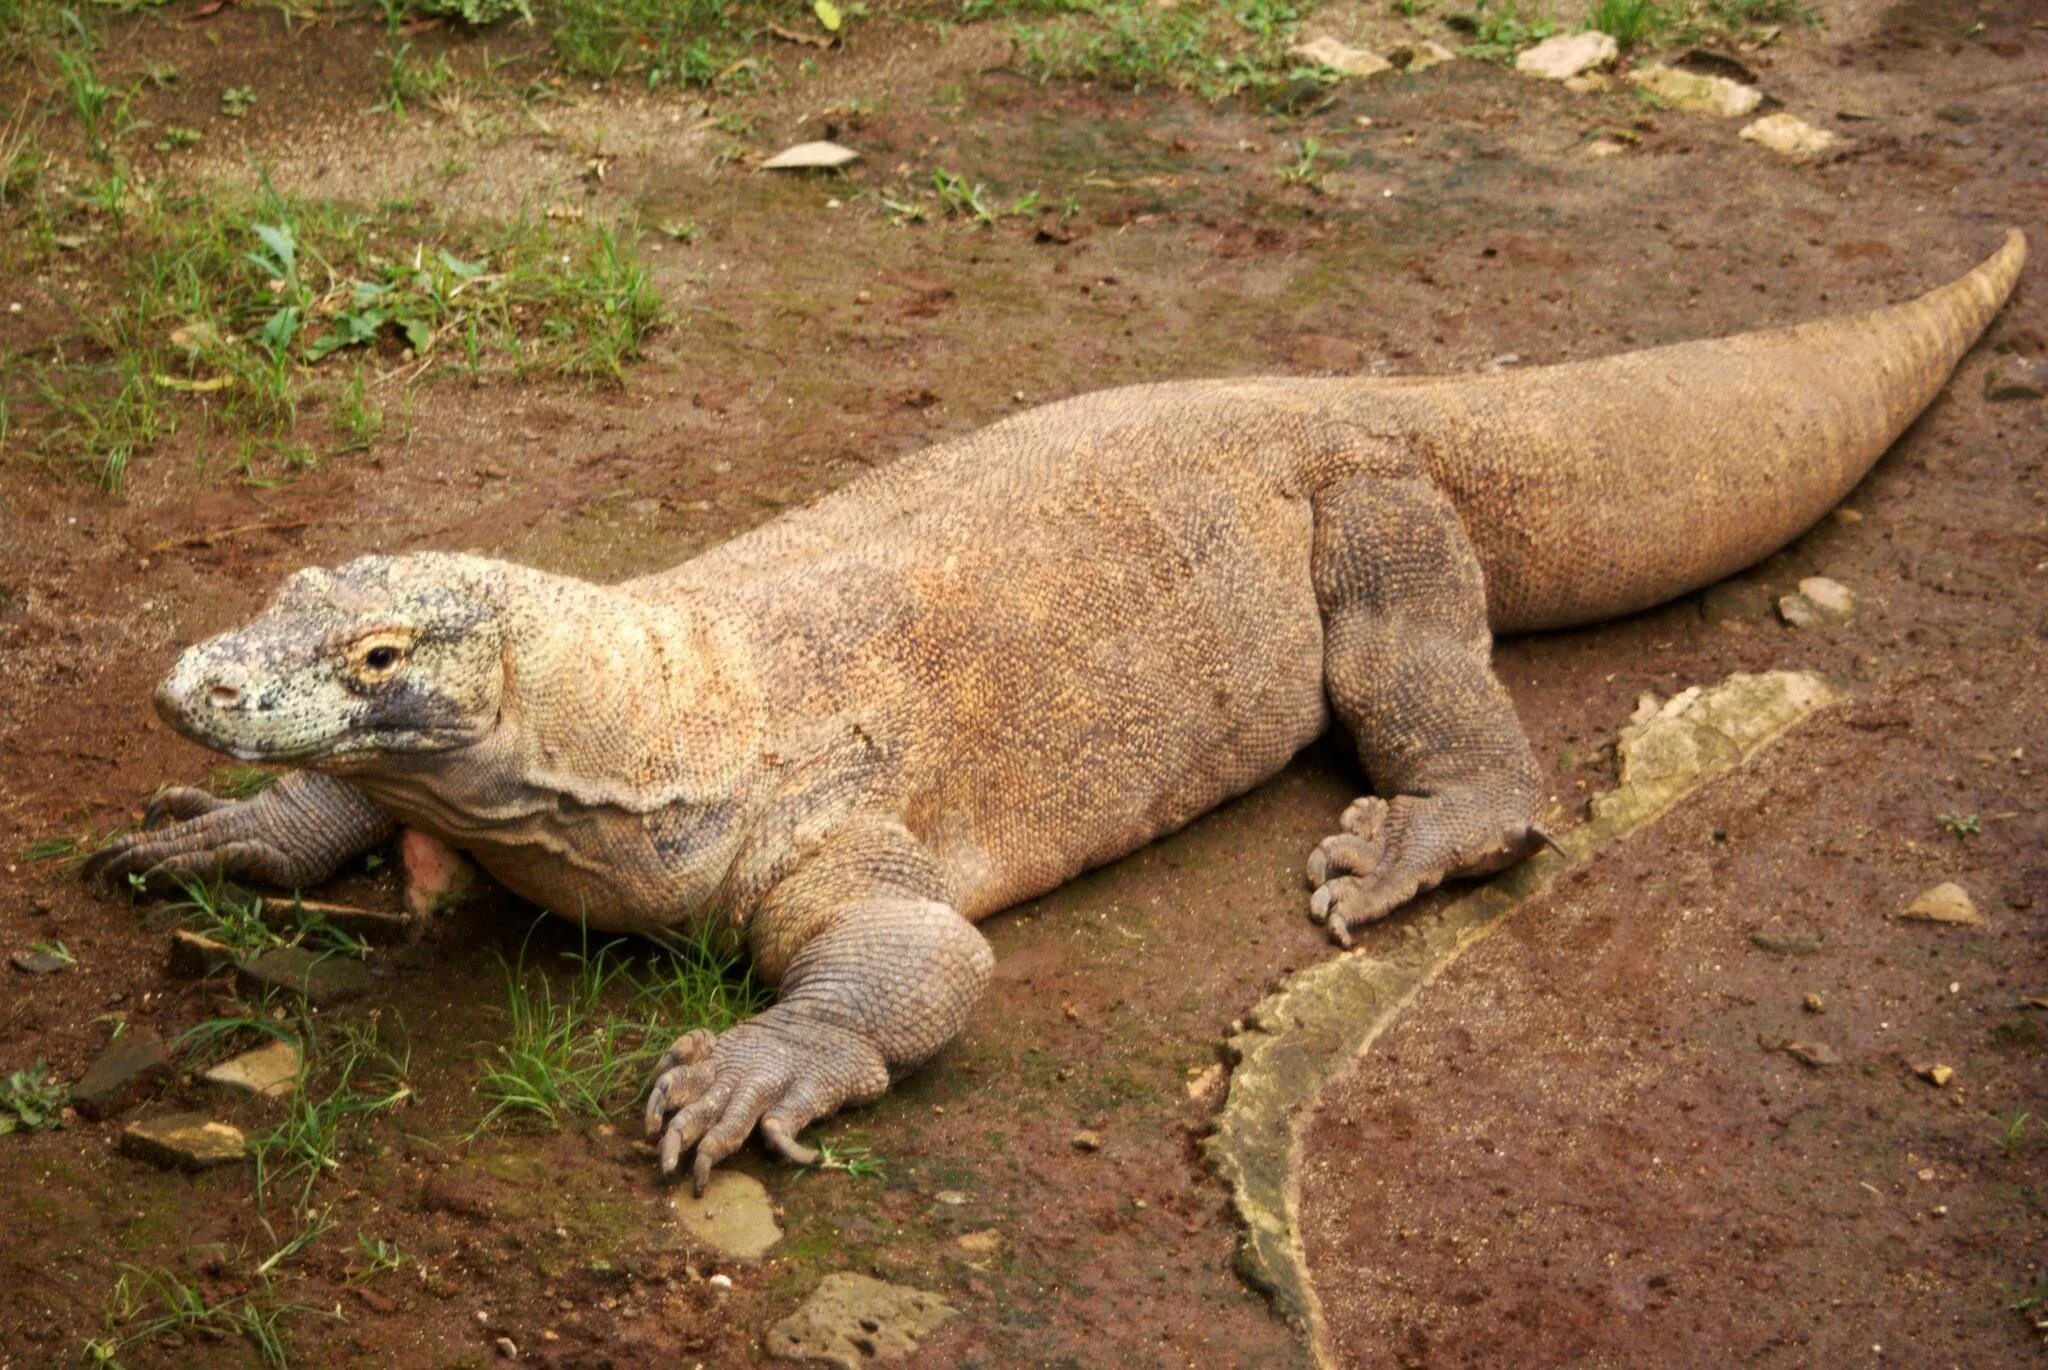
x: 851, y: 734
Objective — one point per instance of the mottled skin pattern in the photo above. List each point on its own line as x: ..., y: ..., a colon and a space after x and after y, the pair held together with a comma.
x: 851, y: 734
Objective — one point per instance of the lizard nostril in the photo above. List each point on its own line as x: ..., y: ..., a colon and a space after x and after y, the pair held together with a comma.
x: 223, y: 696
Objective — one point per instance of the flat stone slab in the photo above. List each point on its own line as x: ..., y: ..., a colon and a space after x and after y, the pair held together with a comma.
x: 184, y: 1141
x: 1567, y: 55
x: 855, y: 1320
x: 39, y: 962
x: 271, y: 1071
x: 815, y: 156
x: 194, y: 956
x: 1689, y: 90
x: 1301, y: 1036
x: 319, y: 980
x: 733, y: 1217
x: 131, y: 1066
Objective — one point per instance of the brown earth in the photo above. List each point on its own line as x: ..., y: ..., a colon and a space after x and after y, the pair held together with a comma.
x: 1571, y: 1147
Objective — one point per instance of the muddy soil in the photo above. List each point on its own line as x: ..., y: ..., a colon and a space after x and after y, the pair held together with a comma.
x: 1572, y: 1147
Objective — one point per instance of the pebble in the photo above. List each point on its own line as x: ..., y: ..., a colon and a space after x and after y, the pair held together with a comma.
x: 1813, y: 1003
x: 1699, y: 94
x: 130, y: 1066
x: 1341, y: 57
x: 1787, y: 943
x: 983, y: 1243
x: 720, y: 1281
x: 1947, y: 902
x: 1818, y: 600
x: 733, y: 1217
x: 1938, y: 1076
x: 1084, y: 1140
x: 1790, y: 136
x: 2017, y: 378
x: 853, y: 1320
x: 271, y: 1071
x: 952, y: 1198
x: 1567, y: 55
x: 40, y: 962
x: 507, y: 1348
x: 187, y: 1141
x: 811, y: 156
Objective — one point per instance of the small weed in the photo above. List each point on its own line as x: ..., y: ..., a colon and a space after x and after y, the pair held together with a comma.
x: 1961, y: 824
x: 147, y: 1304
x: 1305, y: 169
x: 175, y: 137
x: 55, y: 949
x: 2015, y: 1134
x: 30, y: 1101
x: 377, y: 1256
x: 1627, y: 21
x: 224, y: 912
x: 408, y: 81
x: 237, y: 101
x: 53, y: 849
x: 1499, y: 30
x: 854, y: 1160
x: 239, y: 782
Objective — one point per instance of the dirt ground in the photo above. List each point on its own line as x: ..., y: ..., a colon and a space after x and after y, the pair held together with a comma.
x: 1571, y: 1148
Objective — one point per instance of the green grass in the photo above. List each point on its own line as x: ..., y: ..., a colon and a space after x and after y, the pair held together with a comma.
x: 1627, y: 21
x: 243, y: 307
x: 236, y: 781
x: 1214, y: 50
x: 340, y: 1089
x: 30, y: 1101
x: 247, y: 923
x: 154, y: 1305
x: 578, y: 1045
x: 700, y: 43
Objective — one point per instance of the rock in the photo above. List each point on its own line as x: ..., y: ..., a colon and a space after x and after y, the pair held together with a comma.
x: 1813, y: 1003
x: 1818, y: 600
x: 2017, y: 378
x: 186, y: 1141
x: 1937, y: 1075
x: 195, y: 957
x: 1420, y: 56
x: 1947, y: 902
x: 1567, y: 55
x: 811, y: 157
x: 1207, y: 1087
x: 1084, y: 1140
x: 320, y: 980
x: 951, y: 1198
x: 733, y: 1217
x: 436, y: 875
x: 1605, y: 147
x: 1790, y: 136
x: 1591, y: 83
x: 1340, y: 57
x: 40, y: 962
x: 269, y: 1072
x: 720, y: 1281
x: 507, y: 1348
x: 1787, y: 943
x: 130, y: 1067
x: 986, y: 1242
x: 854, y: 1320
x: 370, y: 925
x: 1699, y: 94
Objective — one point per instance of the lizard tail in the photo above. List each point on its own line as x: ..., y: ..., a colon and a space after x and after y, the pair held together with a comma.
x: 1598, y: 488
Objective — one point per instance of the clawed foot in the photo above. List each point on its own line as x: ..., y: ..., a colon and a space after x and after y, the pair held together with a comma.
x: 1391, y: 851
x: 780, y: 1070
x: 187, y: 832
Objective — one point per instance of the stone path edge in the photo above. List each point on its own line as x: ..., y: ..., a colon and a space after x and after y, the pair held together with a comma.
x: 1328, y: 1014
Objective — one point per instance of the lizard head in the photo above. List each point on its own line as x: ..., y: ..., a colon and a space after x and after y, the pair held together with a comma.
x: 385, y: 655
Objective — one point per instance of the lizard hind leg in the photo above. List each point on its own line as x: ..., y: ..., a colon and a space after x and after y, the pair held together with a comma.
x: 1407, y: 667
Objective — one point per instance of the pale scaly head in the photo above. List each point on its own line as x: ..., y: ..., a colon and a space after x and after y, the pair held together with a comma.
x: 384, y: 656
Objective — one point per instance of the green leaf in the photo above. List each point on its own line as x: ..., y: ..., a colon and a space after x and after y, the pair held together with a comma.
x: 466, y: 270
x: 278, y: 238
x: 418, y: 334
x: 828, y: 14
x: 279, y: 330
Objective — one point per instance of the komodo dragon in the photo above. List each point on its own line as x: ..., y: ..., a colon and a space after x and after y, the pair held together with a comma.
x: 847, y: 736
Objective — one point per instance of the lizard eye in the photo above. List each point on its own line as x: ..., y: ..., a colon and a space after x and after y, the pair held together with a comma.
x: 381, y: 658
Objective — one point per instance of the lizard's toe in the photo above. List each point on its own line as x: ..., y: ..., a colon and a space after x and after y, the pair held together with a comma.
x: 179, y: 804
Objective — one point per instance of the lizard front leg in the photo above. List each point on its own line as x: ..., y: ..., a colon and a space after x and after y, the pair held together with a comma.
x: 873, y: 987
x: 294, y: 834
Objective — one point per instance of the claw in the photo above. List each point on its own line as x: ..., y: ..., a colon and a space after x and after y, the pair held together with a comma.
x: 779, y: 1134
